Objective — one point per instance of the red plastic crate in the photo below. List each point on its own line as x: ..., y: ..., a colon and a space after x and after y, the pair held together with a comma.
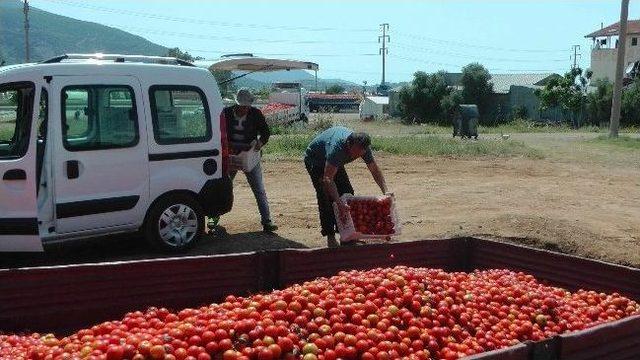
x: 347, y: 228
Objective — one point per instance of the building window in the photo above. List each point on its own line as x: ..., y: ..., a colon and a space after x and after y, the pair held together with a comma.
x: 634, y: 41
x: 180, y: 115
x: 99, y: 117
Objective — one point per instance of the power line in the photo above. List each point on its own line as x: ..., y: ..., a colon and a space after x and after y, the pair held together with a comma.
x: 468, y: 45
x: 422, y: 61
x: 226, y: 38
x: 281, y: 54
x: 468, y: 56
x: 201, y: 21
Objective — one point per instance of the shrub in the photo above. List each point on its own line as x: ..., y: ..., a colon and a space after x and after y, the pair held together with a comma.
x: 519, y: 112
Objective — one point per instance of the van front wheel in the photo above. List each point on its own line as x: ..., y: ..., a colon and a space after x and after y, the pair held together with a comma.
x: 175, y: 223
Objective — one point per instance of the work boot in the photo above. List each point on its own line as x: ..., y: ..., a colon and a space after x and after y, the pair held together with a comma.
x: 269, y: 227
x: 212, y: 222
x: 332, y: 242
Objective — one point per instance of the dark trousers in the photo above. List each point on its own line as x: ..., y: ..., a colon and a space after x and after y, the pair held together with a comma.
x: 325, y: 207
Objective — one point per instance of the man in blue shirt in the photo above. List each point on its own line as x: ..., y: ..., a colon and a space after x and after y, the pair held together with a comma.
x: 325, y: 159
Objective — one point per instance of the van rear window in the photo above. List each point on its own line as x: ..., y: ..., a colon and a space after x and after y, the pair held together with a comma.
x: 16, y: 108
x: 180, y: 115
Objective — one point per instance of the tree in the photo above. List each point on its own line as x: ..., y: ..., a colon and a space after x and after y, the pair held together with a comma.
x: 421, y: 100
x: 222, y: 78
x: 631, y: 105
x: 568, y: 92
x: 179, y: 54
x: 477, y: 88
x: 450, y: 102
x: 335, y: 89
x: 599, y: 103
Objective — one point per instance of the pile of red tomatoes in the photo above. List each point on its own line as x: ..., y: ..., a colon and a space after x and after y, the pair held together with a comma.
x: 372, y: 217
x: 391, y: 313
x: 275, y: 107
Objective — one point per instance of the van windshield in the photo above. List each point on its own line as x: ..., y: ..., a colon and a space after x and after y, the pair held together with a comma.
x: 16, y: 107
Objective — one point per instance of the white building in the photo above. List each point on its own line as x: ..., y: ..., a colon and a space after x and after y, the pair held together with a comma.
x: 604, y: 51
x: 374, y: 106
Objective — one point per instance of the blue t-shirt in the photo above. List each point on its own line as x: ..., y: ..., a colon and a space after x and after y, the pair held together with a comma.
x: 331, y: 146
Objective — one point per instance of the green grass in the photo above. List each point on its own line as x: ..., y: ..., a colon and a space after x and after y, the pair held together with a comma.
x: 293, y: 146
x: 287, y: 146
x: 625, y: 142
x: 440, y: 146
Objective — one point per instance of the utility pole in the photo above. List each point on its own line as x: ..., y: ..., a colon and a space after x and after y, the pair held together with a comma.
x: 614, y: 125
x: 26, y: 31
x: 576, y: 48
x: 384, y: 50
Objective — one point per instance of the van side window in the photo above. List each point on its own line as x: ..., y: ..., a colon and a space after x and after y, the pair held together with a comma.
x: 16, y: 109
x: 99, y: 117
x: 180, y: 115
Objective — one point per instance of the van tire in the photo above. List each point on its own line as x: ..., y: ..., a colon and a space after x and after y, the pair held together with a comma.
x: 186, y: 227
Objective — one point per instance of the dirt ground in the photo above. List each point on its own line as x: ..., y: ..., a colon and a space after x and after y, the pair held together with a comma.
x: 580, y: 199
x: 588, y: 211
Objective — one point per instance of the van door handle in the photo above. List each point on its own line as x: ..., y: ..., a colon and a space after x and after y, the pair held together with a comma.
x: 73, y: 169
x: 15, y: 174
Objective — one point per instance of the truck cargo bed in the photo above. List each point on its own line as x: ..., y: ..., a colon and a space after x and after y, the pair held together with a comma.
x: 66, y: 298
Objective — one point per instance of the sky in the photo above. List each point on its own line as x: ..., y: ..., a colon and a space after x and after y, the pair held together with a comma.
x: 342, y: 36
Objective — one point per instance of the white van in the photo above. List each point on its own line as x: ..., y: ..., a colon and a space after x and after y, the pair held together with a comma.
x: 94, y: 145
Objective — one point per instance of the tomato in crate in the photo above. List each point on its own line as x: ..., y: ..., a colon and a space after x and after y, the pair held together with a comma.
x: 370, y: 217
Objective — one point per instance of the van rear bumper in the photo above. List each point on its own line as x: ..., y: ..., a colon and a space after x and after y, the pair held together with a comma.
x: 216, y: 196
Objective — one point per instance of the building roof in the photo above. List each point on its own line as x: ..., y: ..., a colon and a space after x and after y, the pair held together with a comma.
x: 633, y: 27
x: 503, y: 82
x: 380, y: 100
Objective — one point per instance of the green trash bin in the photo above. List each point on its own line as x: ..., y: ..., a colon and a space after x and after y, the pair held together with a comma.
x: 465, y: 121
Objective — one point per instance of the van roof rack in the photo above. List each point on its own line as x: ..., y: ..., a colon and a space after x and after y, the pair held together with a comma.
x: 120, y: 59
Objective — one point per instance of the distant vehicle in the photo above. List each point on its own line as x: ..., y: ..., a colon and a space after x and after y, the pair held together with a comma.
x: 104, y: 144
x: 292, y: 95
x: 333, y: 102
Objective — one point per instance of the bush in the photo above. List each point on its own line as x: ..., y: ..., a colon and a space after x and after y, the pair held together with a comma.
x: 631, y: 105
x: 519, y: 112
x: 421, y: 101
x: 321, y: 123
x: 477, y: 89
x: 599, y: 103
x: 335, y: 89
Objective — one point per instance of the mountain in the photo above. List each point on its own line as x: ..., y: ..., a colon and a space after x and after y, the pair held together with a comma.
x: 52, y: 35
x: 281, y: 76
x: 260, y: 80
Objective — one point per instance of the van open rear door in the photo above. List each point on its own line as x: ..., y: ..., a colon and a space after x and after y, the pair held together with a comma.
x: 250, y: 64
x: 18, y: 208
